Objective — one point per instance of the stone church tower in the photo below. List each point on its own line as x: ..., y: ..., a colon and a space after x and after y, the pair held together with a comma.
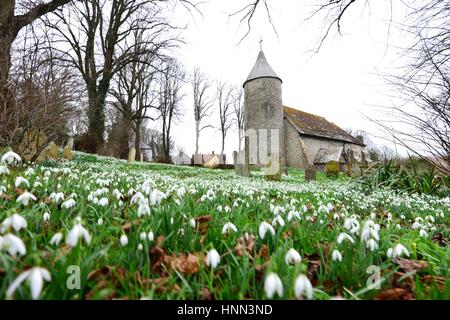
x: 263, y: 116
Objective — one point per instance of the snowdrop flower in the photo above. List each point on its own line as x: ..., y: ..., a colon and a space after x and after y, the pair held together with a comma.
x: 46, y: 216
x: 423, y: 233
x: 151, y: 236
x: 25, y: 198
x: 372, y: 244
x: 143, y: 209
x: 397, y: 251
x: 11, y: 157
x: 103, y: 202
x: 212, y: 258
x: 76, y: 233
x: 57, y: 197
x: 293, y: 214
x: 140, y: 247
x: 273, y: 285
x: 156, y: 197
x: 227, y: 227
x: 56, y: 239
x: 123, y: 240
x: 68, y: 204
x: 35, y: 277
x: 192, y: 223
x: 227, y: 209
x: 16, y: 221
x: 21, y: 180
x: 100, y: 221
x: 219, y: 208
x: 303, y: 287
x: 336, y: 255
x: 12, y: 244
x: 263, y: 228
x: 292, y: 257
x: 142, y: 236
x: 278, y: 220
x: 352, y: 225
x: 4, y: 170
x: 343, y: 236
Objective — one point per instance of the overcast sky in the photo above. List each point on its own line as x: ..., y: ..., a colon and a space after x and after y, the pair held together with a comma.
x: 340, y: 82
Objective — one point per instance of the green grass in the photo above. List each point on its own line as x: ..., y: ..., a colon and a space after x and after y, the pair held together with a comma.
x: 159, y: 271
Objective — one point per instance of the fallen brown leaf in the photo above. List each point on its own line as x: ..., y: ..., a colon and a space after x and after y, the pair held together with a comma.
x: 395, y: 294
x: 411, y: 265
x: 245, y: 245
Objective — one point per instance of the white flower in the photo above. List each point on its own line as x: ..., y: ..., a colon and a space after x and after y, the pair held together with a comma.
x: 123, y: 240
x: 56, y: 197
x: 56, y: 239
x: 4, y: 170
x: 273, y: 285
x: 293, y: 214
x: 263, y: 228
x: 212, y: 258
x: 35, y: 277
x: 140, y: 247
x: 397, y: 251
x: 156, y: 197
x: 76, y: 233
x: 278, y: 220
x: 303, y: 287
x: 143, y: 209
x: 371, y: 244
x: 16, y: 221
x: 12, y: 244
x: 100, y: 221
x: 192, y: 223
x: 143, y: 236
x: 292, y: 257
x: 68, y: 204
x: 103, y: 202
x: 25, y: 198
x: 423, y: 233
x: 11, y: 157
x: 21, y: 180
x: 151, y: 236
x: 46, y: 216
x: 336, y: 255
x: 343, y: 236
x: 227, y: 227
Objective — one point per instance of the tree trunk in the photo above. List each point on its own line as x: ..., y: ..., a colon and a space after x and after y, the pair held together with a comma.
x: 197, y: 133
x: 137, y: 140
x: 240, y: 139
x: 96, y: 115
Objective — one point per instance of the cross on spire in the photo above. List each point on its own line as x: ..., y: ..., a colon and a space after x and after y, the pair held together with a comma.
x: 260, y: 44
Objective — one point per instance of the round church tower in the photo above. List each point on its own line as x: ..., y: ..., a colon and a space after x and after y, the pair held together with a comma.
x: 263, y: 112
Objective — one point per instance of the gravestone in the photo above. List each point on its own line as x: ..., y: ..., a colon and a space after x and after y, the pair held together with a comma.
x: 52, y: 151
x: 142, y: 157
x: 131, y: 155
x: 70, y: 142
x: 332, y: 169
x: 67, y: 153
x: 310, y: 173
x: 33, y: 140
x: 273, y: 170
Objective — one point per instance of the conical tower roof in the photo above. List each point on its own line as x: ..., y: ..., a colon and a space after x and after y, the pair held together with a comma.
x: 262, y: 69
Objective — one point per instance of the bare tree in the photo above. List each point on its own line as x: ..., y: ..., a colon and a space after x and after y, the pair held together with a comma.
x: 225, y: 102
x: 238, y: 109
x: 203, y: 103
x: 172, y: 79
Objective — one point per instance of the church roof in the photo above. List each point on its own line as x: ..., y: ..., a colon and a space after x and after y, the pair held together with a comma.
x: 262, y: 69
x: 312, y: 125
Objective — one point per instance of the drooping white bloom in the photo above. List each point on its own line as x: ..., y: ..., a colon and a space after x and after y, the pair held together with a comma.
x: 303, y: 287
x: 344, y: 236
x: 16, y: 221
x: 46, y: 216
x: 278, y: 220
x: 35, y: 277
x: 11, y: 157
x: 12, y: 244
x: 68, y: 204
x: 292, y: 257
x: 423, y: 233
x: 103, y: 202
x: 77, y: 232
x: 140, y: 247
x: 212, y: 258
x: 263, y: 228
x: 352, y: 225
x: 293, y: 214
x: 397, y: 251
x: 142, y: 236
x: 227, y: 227
x: 336, y: 255
x: 56, y: 239
x: 151, y: 236
x: 156, y: 197
x: 100, y: 221
x: 4, y: 170
x: 123, y: 240
x: 143, y: 209
x: 192, y: 223
x: 272, y: 285
x: 25, y: 198
x: 21, y: 181
x: 371, y: 244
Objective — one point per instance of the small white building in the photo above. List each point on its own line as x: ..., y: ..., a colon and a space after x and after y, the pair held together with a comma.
x: 144, y: 149
x: 181, y: 159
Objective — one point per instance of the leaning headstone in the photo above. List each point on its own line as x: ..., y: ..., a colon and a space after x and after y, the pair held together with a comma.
x: 67, y: 153
x: 70, y: 142
x: 131, y: 155
x: 142, y: 157
x: 332, y: 169
x: 33, y: 140
x: 52, y: 151
x: 237, y: 166
x: 310, y: 173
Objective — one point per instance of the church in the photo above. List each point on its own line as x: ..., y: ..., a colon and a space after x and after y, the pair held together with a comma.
x: 300, y: 139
